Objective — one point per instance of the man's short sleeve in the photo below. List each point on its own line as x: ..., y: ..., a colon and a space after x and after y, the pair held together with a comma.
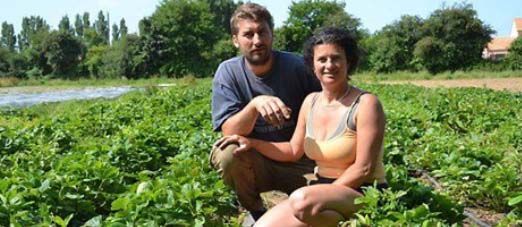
x: 225, y: 98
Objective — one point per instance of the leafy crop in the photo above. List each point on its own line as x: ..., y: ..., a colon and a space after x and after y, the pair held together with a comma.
x: 142, y: 159
x: 469, y: 139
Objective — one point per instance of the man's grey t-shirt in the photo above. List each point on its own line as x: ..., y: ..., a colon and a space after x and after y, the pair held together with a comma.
x: 234, y: 85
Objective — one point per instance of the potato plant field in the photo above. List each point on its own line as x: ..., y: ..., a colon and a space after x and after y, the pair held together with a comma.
x: 142, y: 160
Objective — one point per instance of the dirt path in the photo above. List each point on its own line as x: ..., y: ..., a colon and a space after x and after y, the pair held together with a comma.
x: 509, y: 84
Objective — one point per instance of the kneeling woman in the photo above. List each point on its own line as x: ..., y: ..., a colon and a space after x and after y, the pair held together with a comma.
x: 341, y: 128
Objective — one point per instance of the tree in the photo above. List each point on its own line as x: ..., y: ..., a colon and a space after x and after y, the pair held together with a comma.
x: 65, y: 25
x: 149, y: 48
x: 186, y: 30
x: 514, y: 58
x: 18, y: 65
x: 123, y: 29
x: 92, y: 38
x: 78, y: 26
x: 306, y: 16
x: 30, y: 42
x: 34, y: 29
x: 223, y: 10
x: 182, y: 37
x: 393, y: 46
x: 453, y: 38
x: 85, y: 20
x: 23, y: 36
x: 145, y: 26
x: 118, y: 61
x: 114, y: 61
x: 123, y: 59
x: 133, y: 64
x: 36, y: 62
x: 93, y: 59
x: 102, y: 27
x: 12, y: 64
x: 8, y: 39
x: 430, y: 51
x: 4, y: 61
x: 115, y: 33
x: 62, y: 52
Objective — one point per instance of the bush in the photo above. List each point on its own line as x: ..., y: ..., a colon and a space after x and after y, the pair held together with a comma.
x: 514, y: 58
x: 392, y: 48
x: 454, y: 38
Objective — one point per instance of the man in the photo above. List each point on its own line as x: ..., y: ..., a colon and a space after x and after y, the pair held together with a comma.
x: 258, y: 94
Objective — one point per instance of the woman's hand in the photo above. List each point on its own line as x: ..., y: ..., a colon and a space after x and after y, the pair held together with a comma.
x: 243, y: 143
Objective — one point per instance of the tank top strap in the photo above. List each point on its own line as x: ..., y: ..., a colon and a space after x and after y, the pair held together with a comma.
x: 346, y: 118
x: 353, y: 109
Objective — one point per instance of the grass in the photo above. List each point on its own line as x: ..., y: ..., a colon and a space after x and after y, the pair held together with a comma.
x: 424, y: 75
x: 9, y: 81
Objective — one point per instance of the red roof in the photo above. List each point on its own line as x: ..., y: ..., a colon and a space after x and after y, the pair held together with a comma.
x: 500, y: 43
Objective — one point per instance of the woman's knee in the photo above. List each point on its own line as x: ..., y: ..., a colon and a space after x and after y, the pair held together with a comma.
x: 280, y: 215
x: 302, y: 204
x: 308, y: 208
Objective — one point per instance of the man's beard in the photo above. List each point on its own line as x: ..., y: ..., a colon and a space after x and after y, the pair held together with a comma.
x: 258, y: 59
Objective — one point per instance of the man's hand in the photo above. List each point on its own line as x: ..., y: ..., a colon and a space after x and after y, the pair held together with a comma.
x: 272, y: 109
x: 243, y: 143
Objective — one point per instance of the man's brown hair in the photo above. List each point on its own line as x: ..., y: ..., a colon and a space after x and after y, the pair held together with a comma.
x: 250, y: 11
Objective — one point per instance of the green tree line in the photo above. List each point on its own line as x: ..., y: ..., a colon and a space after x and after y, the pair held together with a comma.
x: 191, y: 37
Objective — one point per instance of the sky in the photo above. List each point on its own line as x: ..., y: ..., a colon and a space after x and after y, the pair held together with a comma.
x: 374, y: 14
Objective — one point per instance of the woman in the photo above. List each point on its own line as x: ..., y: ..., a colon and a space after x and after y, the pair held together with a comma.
x: 341, y: 128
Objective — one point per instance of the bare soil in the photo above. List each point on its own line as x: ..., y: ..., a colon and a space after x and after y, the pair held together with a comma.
x: 483, y: 217
x: 508, y: 84
x: 488, y: 217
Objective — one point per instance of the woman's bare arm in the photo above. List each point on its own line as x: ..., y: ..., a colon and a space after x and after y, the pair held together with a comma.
x: 370, y: 121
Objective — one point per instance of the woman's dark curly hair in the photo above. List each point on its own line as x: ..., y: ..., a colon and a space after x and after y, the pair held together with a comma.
x: 337, y: 36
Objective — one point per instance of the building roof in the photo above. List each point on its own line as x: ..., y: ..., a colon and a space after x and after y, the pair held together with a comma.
x: 500, y: 43
x: 518, y: 23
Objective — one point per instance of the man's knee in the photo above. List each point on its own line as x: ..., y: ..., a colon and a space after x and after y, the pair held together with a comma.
x: 223, y: 159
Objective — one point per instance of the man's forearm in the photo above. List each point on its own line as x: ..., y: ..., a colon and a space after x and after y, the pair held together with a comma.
x: 241, y: 123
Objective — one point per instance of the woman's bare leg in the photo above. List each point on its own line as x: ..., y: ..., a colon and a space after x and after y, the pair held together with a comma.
x: 317, y: 205
x: 280, y: 215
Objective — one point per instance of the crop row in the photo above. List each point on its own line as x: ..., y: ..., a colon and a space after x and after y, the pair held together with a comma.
x: 468, y: 139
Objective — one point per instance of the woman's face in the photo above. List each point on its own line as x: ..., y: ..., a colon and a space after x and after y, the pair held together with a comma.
x: 330, y: 64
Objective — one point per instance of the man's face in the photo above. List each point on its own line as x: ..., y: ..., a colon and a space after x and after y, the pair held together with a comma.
x: 254, y: 40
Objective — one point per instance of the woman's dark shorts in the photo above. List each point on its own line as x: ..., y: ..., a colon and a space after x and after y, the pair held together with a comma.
x: 324, y: 180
